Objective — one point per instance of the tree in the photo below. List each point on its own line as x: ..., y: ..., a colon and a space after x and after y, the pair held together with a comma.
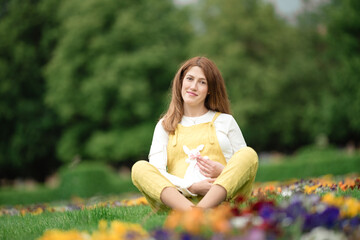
x: 270, y: 77
x: 109, y: 73
x: 29, y: 129
x: 341, y: 106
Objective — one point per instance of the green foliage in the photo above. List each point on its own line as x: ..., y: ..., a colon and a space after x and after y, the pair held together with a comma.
x: 89, y: 79
x: 90, y: 179
x: 267, y: 68
x: 20, y: 196
x: 341, y: 105
x: 29, y: 129
x: 109, y: 73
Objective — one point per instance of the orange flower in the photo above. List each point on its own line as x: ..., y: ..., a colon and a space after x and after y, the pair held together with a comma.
x: 23, y: 212
x: 220, y: 218
x: 193, y: 220
x: 173, y: 220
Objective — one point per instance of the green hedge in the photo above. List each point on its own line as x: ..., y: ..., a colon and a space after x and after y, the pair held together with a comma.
x: 85, y: 180
x: 310, y: 162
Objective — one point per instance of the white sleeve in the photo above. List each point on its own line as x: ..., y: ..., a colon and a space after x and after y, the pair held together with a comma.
x: 235, y: 135
x: 158, y: 158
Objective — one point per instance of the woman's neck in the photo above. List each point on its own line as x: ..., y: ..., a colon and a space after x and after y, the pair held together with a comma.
x: 195, y: 112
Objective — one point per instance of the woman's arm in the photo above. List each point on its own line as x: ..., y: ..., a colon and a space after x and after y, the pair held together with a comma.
x: 235, y: 136
x: 158, y: 158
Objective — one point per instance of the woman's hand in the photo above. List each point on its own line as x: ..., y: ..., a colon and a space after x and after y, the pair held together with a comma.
x: 209, y: 168
x: 201, y: 188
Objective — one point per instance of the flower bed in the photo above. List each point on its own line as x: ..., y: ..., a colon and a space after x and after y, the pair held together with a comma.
x: 319, y: 208
x: 75, y: 204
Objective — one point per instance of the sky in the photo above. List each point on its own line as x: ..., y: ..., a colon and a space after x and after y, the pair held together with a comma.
x: 285, y: 8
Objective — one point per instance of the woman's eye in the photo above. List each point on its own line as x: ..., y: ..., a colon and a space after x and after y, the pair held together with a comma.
x: 203, y: 82
x: 189, y: 78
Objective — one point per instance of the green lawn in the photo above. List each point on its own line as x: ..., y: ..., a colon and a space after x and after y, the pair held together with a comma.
x: 33, y: 226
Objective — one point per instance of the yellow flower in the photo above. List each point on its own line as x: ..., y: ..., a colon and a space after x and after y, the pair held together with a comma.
x: 330, y: 199
x: 103, y: 225
x: 62, y: 235
x: 350, y: 207
x: 37, y: 211
x: 310, y: 189
x: 133, y: 202
x: 141, y: 200
x: 119, y: 228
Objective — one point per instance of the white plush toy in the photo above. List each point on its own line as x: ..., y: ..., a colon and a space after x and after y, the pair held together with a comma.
x: 193, y: 173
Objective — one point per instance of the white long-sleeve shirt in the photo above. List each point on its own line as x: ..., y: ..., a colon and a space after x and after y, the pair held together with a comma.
x: 228, y: 134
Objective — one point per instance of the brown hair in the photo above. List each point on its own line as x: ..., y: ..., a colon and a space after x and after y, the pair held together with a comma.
x: 217, y: 100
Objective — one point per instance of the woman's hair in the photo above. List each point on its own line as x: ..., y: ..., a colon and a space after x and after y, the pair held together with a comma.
x: 216, y: 100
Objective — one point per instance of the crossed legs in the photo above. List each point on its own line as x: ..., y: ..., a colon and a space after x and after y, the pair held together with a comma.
x: 171, y: 197
x: 236, y: 178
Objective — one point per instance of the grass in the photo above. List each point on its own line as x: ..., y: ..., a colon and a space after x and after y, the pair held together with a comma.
x: 350, y: 193
x: 309, y: 162
x: 33, y: 226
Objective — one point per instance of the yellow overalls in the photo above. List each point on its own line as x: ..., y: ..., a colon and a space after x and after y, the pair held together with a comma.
x: 237, y: 177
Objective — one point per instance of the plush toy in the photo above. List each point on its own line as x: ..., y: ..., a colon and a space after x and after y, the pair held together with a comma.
x: 193, y: 173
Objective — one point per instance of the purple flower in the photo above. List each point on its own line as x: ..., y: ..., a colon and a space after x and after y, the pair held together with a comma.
x: 355, y: 222
x: 267, y: 212
x: 161, y: 235
x: 185, y: 236
x: 329, y: 216
x: 312, y: 221
x: 350, y: 223
x: 295, y: 210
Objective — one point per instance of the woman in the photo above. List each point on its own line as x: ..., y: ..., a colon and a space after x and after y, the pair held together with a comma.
x: 198, y: 117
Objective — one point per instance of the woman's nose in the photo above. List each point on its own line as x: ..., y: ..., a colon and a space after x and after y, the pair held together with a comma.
x: 193, y: 85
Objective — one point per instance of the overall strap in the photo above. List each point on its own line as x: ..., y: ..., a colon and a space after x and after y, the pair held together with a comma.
x: 174, y: 140
x: 215, y: 116
x: 211, y: 127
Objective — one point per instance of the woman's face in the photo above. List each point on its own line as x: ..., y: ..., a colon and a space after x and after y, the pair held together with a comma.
x: 194, y: 88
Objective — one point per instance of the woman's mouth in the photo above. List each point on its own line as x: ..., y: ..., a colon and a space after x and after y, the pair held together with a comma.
x: 192, y: 94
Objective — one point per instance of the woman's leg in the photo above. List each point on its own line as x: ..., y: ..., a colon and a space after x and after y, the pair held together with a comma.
x: 172, y: 198
x: 236, y: 178
x: 215, y: 196
x: 157, y: 189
